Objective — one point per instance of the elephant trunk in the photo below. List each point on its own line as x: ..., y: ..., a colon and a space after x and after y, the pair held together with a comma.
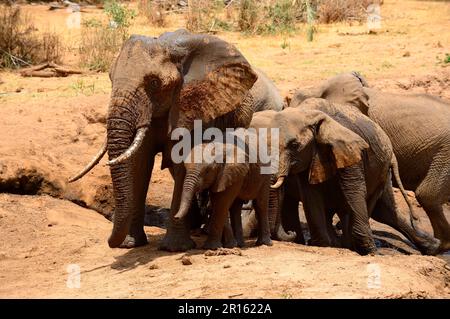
x: 189, y: 189
x: 275, y: 223
x: 123, y: 120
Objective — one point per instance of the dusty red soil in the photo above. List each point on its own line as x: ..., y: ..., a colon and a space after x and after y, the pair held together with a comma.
x: 50, y: 128
x: 46, y: 140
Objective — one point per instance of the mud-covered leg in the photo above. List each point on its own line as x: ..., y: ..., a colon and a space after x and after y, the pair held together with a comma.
x: 136, y: 235
x: 432, y: 193
x: 221, y: 203
x: 291, y: 218
x: 353, y: 186
x: 387, y: 212
x: 228, y: 240
x: 177, y: 237
x: 236, y: 222
x: 314, y: 205
x: 261, y: 204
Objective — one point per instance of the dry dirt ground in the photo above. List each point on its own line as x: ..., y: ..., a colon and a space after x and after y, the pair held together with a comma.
x: 51, y: 127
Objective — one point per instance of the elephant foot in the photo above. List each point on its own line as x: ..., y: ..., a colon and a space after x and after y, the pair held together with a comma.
x: 212, y: 244
x: 134, y: 241
x: 444, y: 246
x: 264, y: 241
x: 431, y: 247
x: 176, y: 243
x: 231, y: 243
x: 240, y: 243
x: 364, y: 251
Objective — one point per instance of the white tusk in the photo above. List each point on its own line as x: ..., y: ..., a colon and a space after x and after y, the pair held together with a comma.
x: 91, y: 165
x: 279, y: 182
x: 137, y: 142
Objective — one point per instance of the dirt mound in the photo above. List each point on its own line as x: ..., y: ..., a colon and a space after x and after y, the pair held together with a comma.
x: 436, y: 84
x: 41, y: 247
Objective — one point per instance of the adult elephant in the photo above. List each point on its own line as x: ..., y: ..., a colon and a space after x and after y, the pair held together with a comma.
x: 418, y: 126
x: 341, y: 161
x: 159, y: 84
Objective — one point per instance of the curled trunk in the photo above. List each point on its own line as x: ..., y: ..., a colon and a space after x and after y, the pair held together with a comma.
x: 276, y: 227
x: 190, y: 186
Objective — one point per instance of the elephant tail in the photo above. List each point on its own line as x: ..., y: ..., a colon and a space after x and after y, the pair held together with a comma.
x: 395, y: 171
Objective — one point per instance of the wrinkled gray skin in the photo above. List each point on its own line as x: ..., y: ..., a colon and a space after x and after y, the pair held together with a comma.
x: 229, y: 185
x: 265, y: 94
x: 263, y: 120
x: 418, y: 126
x: 340, y: 162
x: 159, y: 84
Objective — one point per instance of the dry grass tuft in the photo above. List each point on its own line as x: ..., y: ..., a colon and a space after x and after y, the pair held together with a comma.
x: 21, y: 44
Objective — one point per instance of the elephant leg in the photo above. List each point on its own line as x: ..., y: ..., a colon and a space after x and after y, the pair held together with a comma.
x: 432, y: 193
x: 387, y: 212
x: 136, y: 235
x: 228, y: 240
x: 346, y: 240
x: 291, y: 218
x: 236, y: 222
x: 315, y: 211
x: 353, y: 186
x: 221, y: 203
x: 261, y: 205
x: 177, y: 237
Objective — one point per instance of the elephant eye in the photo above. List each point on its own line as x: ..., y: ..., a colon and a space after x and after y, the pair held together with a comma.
x: 293, y: 144
x: 154, y: 84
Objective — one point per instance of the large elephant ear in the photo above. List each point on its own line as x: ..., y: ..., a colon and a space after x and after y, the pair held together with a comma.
x: 216, y: 78
x: 346, y: 88
x: 336, y: 147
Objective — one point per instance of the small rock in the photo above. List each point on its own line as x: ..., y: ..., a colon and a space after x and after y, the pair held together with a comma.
x: 153, y: 266
x: 18, y: 90
x: 226, y: 266
x: 185, y: 260
x: 406, y: 54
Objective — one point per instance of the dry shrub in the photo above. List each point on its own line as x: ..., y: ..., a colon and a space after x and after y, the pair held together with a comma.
x: 330, y: 11
x: 154, y: 11
x: 51, y: 48
x: 99, y: 45
x: 203, y: 16
x: 268, y: 16
x: 21, y: 44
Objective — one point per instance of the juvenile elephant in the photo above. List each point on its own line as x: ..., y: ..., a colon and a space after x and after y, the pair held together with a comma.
x: 230, y: 182
x: 340, y: 161
x: 158, y: 85
x: 418, y: 126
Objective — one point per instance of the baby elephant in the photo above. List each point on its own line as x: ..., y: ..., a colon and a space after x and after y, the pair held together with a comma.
x: 231, y: 181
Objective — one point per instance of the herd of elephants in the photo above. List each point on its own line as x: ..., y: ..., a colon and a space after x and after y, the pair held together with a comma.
x: 342, y: 147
